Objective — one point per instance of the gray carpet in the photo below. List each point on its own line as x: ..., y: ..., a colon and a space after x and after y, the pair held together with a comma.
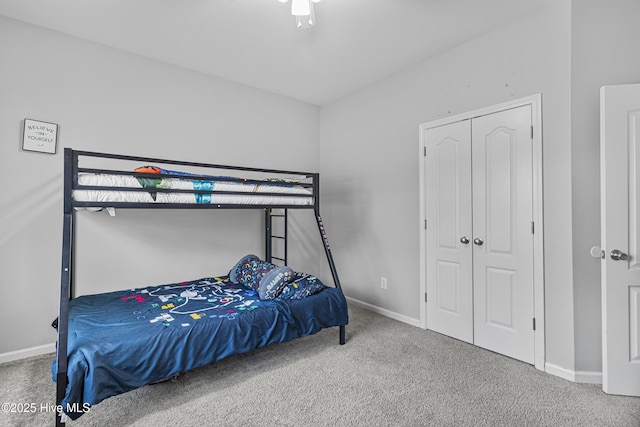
x: 388, y: 374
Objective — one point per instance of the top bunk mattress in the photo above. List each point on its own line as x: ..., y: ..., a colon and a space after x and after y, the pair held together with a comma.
x: 224, y: 190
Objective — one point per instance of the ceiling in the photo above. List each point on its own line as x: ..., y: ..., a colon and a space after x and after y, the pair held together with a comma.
x: 255, y: 42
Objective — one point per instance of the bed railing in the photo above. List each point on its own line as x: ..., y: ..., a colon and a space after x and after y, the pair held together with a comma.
x: 198, y: 172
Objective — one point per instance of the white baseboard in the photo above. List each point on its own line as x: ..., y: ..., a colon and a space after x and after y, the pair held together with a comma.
x: 589, y: 377
x: 560, y: 372
x: 27, y: 352
x: 574, y: 376
x: 387, y: 313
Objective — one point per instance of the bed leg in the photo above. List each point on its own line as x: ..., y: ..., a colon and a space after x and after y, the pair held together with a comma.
x: 59, y: 420
x: 61, y: 386
x: 342, y: 335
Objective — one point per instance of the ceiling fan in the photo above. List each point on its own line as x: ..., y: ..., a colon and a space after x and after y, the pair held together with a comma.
x: 303, y: 11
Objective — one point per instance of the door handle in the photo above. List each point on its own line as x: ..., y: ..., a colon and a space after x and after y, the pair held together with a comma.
x: 617, y: 255
x: 464, y: 240
x: 597, y: 252
x: 478, y: 241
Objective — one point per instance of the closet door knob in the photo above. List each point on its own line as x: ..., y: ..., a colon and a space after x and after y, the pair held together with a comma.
x: 464, y: 240
x: 478, y: 241
x: 617, y: 255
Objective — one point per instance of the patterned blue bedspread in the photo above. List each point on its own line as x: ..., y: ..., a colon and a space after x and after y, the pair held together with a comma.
x: 120, y: 341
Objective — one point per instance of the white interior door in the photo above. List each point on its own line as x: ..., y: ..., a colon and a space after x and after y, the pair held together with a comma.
x: 448, y: 212
x: 620, y: 192
x: 502, y: 233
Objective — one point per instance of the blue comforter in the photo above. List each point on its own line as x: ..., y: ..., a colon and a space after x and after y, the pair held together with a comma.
x: 120, y: 341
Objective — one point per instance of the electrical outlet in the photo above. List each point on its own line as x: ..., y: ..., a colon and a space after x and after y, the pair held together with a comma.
x: 383, y: 282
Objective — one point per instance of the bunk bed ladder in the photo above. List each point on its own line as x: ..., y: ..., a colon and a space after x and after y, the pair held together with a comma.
x: 269, y: 238
x: 281, y: 236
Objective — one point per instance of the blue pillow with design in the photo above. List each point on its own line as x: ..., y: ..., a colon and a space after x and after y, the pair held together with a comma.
x: 251, y: 272
x: 236, y: 270
x: 302, y: 286
x: 274, y: 281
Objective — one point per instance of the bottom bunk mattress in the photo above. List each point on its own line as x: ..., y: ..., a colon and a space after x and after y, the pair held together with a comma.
x: 119, y: 341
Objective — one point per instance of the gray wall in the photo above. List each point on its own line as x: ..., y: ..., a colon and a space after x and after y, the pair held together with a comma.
x: 107, y: 100
x: 370, y: 160
x: 604, y: 51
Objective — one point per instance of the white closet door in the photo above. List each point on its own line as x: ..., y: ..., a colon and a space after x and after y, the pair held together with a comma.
x: 620, y: 169
x: 448, y: 210
x: 502, y: 233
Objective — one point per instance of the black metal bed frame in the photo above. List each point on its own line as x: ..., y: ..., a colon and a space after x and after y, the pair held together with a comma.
x: 71, y: 171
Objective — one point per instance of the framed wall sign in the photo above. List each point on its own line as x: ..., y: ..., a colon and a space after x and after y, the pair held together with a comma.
x: 40, y: 136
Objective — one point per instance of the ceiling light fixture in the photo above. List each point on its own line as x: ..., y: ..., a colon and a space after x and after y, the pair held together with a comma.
x: 303, y: 11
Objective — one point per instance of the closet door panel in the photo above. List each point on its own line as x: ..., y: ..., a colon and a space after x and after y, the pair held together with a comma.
x: 502, y: 214
x: 499, y: 200
x: 448, y: 208
x: 499, y: 299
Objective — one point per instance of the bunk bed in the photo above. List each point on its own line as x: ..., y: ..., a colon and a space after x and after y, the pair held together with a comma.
x: 114, y: 342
